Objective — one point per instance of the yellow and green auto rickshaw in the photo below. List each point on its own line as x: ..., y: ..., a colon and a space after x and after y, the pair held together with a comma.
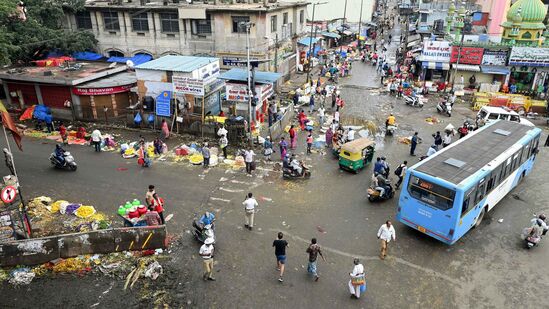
x: 355, y: 155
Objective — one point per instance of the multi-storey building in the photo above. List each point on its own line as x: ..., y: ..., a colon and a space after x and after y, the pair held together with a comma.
x: 211, y: 27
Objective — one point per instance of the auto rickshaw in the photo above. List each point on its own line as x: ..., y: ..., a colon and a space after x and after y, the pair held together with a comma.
x: 356, y: 154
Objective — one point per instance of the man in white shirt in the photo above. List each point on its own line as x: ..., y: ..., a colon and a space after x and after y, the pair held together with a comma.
x: 206, y: 252
x: 321, y: 113
x: 446, y: 140
x: 96, y: 139
x: 385, y: 233
x: 357, y: 279
x: 249, y: 159
x: 432, y: 150
x: 351, y: 135
x: 249, y: 208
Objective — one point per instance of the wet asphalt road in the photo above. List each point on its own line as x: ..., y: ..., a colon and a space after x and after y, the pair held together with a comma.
x: 488, y: 268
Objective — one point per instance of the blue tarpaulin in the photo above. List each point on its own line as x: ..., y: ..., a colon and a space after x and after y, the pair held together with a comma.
x: 331, y: 34
x: 261, y: 77
x: 307, y: 41
x: 86, y: 56
x: 137, y: 59
x: 41, y: 112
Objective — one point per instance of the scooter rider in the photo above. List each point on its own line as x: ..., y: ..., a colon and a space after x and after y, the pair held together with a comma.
x: 207, y: 218
x: 60, y: 154
x: 540, y: 221
x: 296, y: 165
x: 380, y: 183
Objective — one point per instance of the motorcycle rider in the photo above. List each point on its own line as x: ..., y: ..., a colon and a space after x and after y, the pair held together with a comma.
x: 380, y: 184
x: 296, y: 165
x: 390, y: 121
x: 59, y: 154
x: 386, y: 167
x: 207, y: 218
x: 540, y: 221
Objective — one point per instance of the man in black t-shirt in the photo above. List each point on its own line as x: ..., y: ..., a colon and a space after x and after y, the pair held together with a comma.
x: 280, y: 253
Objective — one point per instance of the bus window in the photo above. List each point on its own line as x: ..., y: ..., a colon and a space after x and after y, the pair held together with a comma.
x: 515, y: 118
x: 467, y: 201
x: 493, y: 116
x: 431, y: 193
x: 503, y: 116
x: 480, y: 192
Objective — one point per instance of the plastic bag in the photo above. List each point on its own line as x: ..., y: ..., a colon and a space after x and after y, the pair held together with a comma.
x: 137, y: 119
x: 150, y: 119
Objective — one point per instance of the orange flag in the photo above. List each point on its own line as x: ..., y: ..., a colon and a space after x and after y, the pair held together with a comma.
x: 8, y: 123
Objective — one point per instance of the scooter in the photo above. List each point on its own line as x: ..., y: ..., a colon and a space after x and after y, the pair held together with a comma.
x: 445, y: 107
x: 69, y: 162
x: 414, y: 101
x: 530, y: 238
x: 390, y: 131
x: 374, y: 194
x: 202, y: 233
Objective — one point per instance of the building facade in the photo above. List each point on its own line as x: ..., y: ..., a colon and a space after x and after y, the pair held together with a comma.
x: 209, y: 28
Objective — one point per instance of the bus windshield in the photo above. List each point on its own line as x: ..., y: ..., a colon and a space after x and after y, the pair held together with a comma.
x: 430, y: 193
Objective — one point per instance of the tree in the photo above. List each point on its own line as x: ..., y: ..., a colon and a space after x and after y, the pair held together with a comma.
x: 24, y: 40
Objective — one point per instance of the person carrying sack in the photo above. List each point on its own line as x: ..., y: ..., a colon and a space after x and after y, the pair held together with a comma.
x: 358, y: 279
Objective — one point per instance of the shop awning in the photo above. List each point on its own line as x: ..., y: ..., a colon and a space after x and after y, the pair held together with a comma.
x: 435, y: 65
x: 466, y: 67
x: 241, y: 75
x: 330, y: 35
x: 308, y: 41
x: 488, y: 69
x: 414, y: 44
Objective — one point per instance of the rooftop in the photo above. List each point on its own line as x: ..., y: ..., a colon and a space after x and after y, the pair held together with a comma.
x: 485, y: 145
x: 160, y: 4
x: 185, y: 64
x: 119, y: 79
x: 77, y: 73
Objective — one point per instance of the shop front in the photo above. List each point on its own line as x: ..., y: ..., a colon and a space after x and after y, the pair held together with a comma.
x: 466, y: 72
x: 435, y: 61
x: 529, y: 70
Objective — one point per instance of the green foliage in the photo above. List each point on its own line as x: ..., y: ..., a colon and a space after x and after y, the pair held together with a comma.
x: 22, y: 41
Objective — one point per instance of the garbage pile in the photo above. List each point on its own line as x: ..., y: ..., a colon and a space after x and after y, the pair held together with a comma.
x: 60, y: 217
x: 123, y: 265
x: 193, y: 154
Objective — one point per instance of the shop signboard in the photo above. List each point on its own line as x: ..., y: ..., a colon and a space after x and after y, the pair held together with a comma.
x: 494, y: 57
x: 236, y: 61
x: 239, y: 92
x: 101, y: 91
x: 210, y: 72
x: 6, y: 226
x: 469, y: 55
x: 529, y: 56
x: 436, y: 51
x: 188, y: 85
x: 163, y: 106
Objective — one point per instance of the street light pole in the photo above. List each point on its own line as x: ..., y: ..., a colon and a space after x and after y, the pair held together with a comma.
x: 344, y: 19
x: 459, y: 25
x: 311, y: 41
x: 247, y: 26
x: 360, y: 20
x: 276, y: 52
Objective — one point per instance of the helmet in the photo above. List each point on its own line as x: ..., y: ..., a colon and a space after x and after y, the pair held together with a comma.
x: 542, y: 217
x: 383, y: 158
x: 209, y: 241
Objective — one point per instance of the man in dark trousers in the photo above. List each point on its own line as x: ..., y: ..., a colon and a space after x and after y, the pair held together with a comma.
x: 413, y: 144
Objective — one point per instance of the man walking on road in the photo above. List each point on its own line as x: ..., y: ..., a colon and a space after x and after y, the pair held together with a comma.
x: 280, y: 253
x: 385, y: 233
x: 413, y: 144
x: 400, y: 172
x: 249, y: 208
x: 149, y: 196
x: 206, y: 252
x: 314, y: 251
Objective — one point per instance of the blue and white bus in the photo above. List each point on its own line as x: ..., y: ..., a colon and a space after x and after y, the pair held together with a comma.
x: 447, y: 194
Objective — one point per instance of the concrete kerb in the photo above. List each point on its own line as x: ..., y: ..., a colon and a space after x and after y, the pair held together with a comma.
x: 41, y: 250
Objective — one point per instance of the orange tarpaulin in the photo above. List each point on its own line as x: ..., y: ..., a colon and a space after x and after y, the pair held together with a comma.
x: 27, y: 114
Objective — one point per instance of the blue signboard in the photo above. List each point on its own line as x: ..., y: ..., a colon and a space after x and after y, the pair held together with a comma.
x: 163, y: 106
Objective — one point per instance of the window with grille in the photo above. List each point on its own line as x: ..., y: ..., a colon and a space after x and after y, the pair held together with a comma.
x: 237, y: 20
x: 110, y: 19
x: 301, y: 16
x: 170, y: 22
x: 83, y: 20
x: 140, y: 22
x: 202, y: 26
x: 284, y: 18
x: 273, y: 23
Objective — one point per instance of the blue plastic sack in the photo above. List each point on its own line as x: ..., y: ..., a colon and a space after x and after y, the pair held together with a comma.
x: 150, y: 119
x: 363, y: 287
x: 137, y: 119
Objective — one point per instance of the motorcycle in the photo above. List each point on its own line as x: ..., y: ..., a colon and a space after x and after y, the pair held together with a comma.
x: 375, y: 194
x: 530, y: 237
x: 390, y: 130
x: 201, y: 233
x: 414, y: 101
x: 69, y: 162
x: 290, y: 173
x: 445, y: 107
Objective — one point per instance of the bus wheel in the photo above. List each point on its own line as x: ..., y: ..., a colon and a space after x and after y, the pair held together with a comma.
x: 480, y: 217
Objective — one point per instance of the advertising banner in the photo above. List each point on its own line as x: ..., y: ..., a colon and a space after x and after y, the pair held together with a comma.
x: 469, y: 55
x: 436, y: 51
x: 188, y: 85
x: 494, y: 57
x: 101, y: 91
x: 529, y: 56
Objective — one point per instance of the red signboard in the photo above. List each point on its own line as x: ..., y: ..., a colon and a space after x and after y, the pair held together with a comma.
x: 469, y: 55
x: 101, y: 91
